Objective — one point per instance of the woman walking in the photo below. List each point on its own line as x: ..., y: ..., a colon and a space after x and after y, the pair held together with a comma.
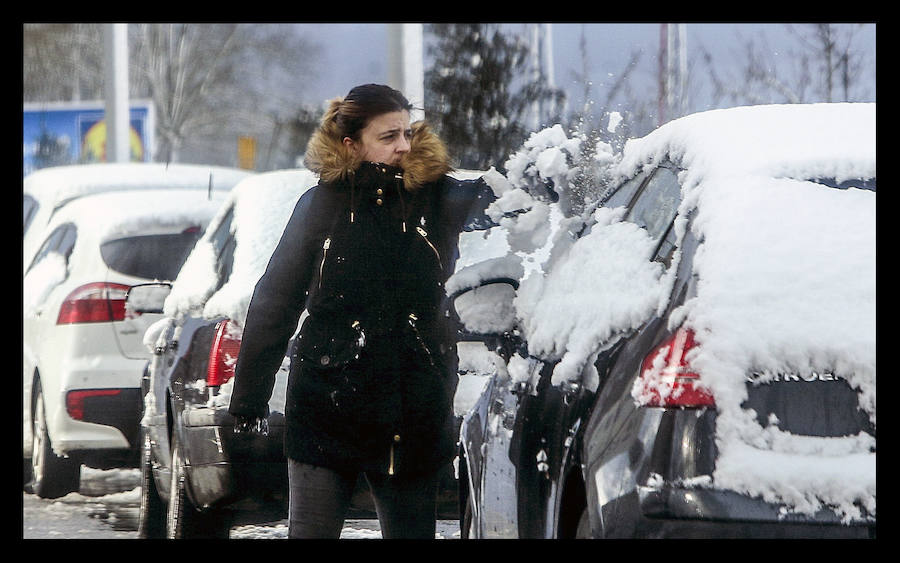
x: 373, y: 372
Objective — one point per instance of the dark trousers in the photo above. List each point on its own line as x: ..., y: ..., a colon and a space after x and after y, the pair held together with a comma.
x: 320, y: 498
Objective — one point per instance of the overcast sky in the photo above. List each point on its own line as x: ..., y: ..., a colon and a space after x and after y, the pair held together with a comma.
x: 357, y: 53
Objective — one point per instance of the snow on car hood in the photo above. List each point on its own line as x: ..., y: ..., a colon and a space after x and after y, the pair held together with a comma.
x: 786, y: 271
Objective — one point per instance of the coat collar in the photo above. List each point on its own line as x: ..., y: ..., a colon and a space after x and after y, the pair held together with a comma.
x: 426, y: 161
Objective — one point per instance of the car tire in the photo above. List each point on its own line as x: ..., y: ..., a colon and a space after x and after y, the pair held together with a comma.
x: 152, y: 519
x: 183, y: 520
x: 52, y: 476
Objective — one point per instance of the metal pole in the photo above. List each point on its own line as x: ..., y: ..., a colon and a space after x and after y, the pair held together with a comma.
x: 116, y: 86
x: 661, y: 74
x: 406, y: 67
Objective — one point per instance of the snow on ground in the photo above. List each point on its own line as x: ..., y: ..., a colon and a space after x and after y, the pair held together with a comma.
x: 107, y: 507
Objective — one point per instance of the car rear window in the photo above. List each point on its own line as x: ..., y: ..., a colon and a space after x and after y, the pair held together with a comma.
x: 157, y: 257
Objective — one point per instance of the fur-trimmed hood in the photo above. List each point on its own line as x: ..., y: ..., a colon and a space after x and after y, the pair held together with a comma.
x: 426, y: 161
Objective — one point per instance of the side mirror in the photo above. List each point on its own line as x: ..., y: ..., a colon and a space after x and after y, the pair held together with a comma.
x: 487, y: 309
x: 147, y: 297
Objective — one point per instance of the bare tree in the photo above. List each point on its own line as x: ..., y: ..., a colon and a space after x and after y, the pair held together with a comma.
x: 61, y: 62
x: 180, y: 65
x: 825, y: 66
x: 210, y: 83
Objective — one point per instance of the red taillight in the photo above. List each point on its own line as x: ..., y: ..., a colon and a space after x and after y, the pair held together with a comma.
x: 223, y: 354
x: 94, y: 303
x: 75, y: 400
x: 667, y: 379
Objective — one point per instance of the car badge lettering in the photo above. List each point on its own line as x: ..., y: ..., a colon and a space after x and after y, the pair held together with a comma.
x: 758, y: 378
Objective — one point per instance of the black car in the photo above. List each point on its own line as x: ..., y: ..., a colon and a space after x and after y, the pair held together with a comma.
x: 651, y: 438
x: 199, y: 477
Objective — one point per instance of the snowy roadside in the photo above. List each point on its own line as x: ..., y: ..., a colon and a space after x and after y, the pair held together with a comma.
x: 107, y: 507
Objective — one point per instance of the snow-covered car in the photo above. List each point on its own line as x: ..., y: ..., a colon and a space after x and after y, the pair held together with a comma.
x: 197, y: 475
x: 696, y: 356
x: 47, y: 190
x: 83, y: 350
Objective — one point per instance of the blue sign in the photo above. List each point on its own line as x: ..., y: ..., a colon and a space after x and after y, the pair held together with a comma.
x: 61, y: 133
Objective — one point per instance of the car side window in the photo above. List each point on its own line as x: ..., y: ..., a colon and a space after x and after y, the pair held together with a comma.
x: 29, y: 209
x: 223, y: 243
x: 225, y: 262
x: 656, y: 205
x: 61, y: 241
x: 222, y: 233
x: 666, y: 248
x: 624, y: 194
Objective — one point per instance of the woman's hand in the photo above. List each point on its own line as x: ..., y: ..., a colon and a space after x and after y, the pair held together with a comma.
x: 251, y: 425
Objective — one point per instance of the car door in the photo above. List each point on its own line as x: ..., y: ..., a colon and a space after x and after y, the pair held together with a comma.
x: 41, y: 284
x: 41, y: 290
x: 549, y: 416
x: 173, y: 344
x: 497, y: 456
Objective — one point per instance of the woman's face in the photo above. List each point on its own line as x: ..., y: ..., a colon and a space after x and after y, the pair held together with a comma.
x: 385, y: 139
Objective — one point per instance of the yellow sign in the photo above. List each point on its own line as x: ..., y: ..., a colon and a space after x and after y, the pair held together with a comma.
x: 247, y: 153
x: 93, y: 146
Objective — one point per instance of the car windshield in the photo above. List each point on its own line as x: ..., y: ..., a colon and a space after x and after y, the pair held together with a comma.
x: 157, y: 256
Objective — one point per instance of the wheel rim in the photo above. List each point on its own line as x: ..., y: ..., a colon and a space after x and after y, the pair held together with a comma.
x: 37, y: 441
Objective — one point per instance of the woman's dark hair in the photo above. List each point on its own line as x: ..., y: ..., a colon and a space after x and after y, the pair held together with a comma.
x: 364, y: 103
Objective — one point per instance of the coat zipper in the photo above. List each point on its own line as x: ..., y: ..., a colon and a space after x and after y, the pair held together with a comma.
x: 391, y: 461
x: 412, y: 323
x: 428, y: 242
x: 325, y: 247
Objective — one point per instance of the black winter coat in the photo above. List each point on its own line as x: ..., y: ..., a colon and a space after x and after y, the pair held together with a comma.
x: 374, y: 370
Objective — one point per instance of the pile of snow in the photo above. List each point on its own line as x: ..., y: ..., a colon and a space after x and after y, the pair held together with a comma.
x: 786, y: 273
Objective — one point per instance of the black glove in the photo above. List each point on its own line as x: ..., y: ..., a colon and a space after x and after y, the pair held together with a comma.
x: 251, y: 425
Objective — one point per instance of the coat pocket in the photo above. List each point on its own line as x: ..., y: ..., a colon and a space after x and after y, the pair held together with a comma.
x: 328, y: 347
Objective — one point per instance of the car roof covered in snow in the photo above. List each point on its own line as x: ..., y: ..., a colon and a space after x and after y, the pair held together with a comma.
x: 118, y: 214
x: 793, y: 140
x: 68, y: 182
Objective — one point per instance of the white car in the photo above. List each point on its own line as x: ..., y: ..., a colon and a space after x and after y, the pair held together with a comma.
x: 47, y: 190
x: 83, y: 355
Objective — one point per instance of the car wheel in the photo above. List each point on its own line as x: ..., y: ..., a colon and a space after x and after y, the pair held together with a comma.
x: 52, y: 476
x: 152, y: 519
x: 183, y: 520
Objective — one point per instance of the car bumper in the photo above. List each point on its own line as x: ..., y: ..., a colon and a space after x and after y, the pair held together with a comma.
x: 676, y: 512
x: 106, y: 435
x: 224, y: 468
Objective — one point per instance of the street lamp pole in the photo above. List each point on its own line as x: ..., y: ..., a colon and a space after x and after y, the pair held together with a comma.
x: 115, y: 36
